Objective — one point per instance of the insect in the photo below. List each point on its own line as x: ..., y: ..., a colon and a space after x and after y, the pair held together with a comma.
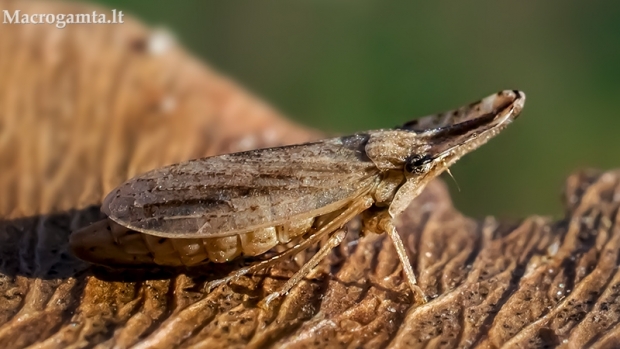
x: 220, y: 208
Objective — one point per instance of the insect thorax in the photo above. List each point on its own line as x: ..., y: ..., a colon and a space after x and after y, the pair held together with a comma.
x: 389, y: 149
x: 388, y: 186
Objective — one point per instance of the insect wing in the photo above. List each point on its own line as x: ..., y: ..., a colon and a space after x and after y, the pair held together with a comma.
x: 237, y: 193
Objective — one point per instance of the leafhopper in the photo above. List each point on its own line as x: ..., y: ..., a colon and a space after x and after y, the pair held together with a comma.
x: 220, y: 208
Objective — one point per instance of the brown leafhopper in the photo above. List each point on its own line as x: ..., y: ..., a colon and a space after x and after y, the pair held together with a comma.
x: 220, y: 208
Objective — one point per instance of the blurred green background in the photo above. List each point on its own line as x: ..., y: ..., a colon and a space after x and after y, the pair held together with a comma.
x: 344, y: 66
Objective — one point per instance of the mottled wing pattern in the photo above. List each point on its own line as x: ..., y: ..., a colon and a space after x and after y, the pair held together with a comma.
x: 237, y: 193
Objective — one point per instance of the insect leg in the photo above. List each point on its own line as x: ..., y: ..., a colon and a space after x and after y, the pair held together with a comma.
x: 333, y: 241
x: 356, y: 207
x: 388, y: 226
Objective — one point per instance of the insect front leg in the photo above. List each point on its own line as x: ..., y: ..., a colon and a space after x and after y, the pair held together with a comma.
x: 383, y: 222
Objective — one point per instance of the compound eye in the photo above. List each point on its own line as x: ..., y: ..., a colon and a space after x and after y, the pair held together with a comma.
x: 416, y: 163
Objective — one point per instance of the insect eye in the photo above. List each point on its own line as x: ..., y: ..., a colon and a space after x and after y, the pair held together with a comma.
x: 416, y: 163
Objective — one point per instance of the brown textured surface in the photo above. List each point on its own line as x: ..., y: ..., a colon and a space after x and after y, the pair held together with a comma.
x: 84, y: 108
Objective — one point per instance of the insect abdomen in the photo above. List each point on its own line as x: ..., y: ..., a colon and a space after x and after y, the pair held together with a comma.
x: 109, y: 243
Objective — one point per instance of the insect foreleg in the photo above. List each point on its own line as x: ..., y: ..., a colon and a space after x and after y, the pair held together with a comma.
x: 356, y: 207
x: 386, y: 224
x: 333, y: 241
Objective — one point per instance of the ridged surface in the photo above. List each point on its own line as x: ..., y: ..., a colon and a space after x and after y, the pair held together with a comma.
x: 87, y: 114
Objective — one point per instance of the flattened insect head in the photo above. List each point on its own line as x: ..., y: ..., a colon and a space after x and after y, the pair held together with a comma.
x: 418, y: 164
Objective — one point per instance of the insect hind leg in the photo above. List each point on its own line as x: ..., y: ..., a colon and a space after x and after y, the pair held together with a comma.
x: 333, y: 241
x: 356, y: 207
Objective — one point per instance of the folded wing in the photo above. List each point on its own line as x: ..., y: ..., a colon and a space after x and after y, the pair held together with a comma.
x: 237, y: 193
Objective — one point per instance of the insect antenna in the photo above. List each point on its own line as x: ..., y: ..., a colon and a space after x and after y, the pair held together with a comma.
x: 454, y: 179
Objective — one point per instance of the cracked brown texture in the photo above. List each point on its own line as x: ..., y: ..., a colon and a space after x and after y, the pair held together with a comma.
x: 84, y: 108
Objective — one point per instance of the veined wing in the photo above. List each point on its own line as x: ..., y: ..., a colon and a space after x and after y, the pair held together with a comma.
x: 236, y: 193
